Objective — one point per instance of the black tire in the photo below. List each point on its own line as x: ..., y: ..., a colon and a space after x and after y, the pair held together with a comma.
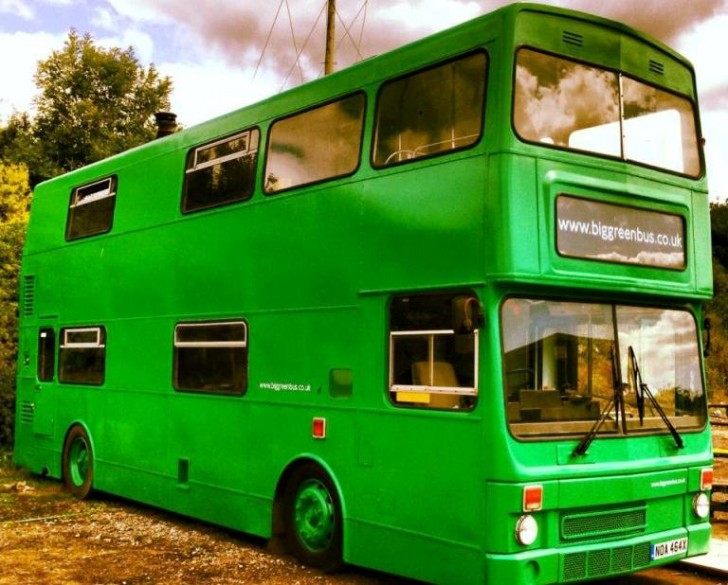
x: 78, y: 463
x: 313, y: 519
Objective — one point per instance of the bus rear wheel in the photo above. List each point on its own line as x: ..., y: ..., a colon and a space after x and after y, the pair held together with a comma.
x: 78, y: 465
x: 313, y: 518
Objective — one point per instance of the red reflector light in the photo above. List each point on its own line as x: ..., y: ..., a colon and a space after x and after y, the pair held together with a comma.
x: 532, y: 498
x: 706, y: 479
x: 319, y: 428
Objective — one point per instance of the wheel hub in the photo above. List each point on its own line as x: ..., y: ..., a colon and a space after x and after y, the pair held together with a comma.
x: 314, y: 515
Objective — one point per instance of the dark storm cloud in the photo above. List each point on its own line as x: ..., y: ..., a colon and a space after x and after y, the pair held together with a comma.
x: 665, y: 20
x: 240, y: 30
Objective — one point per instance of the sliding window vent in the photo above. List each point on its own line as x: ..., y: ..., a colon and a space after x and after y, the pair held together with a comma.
x: 27, y: 412
x: 29, y: 296
x: 572, y: 38
x: 657, y: 67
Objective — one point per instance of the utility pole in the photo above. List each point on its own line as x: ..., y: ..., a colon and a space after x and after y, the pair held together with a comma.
x: 330, y: 37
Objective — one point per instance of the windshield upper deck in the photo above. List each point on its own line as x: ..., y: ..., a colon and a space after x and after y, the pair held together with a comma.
x: 571, y: 105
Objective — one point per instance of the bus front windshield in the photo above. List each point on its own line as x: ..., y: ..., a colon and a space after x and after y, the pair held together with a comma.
x: 576, y: 106
x: 568, y: 365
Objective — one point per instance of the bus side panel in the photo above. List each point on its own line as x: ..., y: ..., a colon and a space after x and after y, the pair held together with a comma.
x: 417, y: 507
x: 35, y: 411
x: 431, y: 235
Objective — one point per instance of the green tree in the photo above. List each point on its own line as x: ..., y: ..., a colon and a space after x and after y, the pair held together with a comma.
x: 18, y: 144
x: 92, y: 103
x: 719, y: 232
x: 717, y: 309
x: 14, y: 204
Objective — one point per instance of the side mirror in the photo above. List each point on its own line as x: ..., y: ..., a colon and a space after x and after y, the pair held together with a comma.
x: 467, y: 315
x: 706, y: 337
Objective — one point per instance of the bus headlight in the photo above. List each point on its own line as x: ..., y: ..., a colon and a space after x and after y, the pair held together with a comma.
x: 526, y: 530
x: 701, y: 505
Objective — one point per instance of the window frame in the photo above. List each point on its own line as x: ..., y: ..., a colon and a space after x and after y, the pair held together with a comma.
x: 432, y: 396
x: 413, y: 74
x: 432, y: 388
x: 66, y: 344
x: 192, y: 166
x: 178, y: 344
x: 92, y: 198
x: 46, y: 358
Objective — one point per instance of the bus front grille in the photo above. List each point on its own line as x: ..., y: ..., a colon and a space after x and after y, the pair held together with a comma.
x: 603, y: 524
x: 603, y: 562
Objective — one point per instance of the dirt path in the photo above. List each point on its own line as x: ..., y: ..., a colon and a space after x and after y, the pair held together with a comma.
x: 47, y: 537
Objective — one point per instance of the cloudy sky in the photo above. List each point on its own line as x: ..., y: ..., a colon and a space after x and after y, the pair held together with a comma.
x: 222, y: 54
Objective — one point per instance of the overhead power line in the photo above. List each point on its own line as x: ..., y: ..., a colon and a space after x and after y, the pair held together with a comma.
x: 349, y: 33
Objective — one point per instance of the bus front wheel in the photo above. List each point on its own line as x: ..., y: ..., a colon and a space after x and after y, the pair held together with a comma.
x: 313, y: 518
x: 78, y: 466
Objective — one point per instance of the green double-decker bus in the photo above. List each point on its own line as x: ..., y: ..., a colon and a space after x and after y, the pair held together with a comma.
x: 439, y: 314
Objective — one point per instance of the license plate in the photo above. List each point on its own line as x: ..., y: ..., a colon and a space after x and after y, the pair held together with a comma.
x: 669, y: 548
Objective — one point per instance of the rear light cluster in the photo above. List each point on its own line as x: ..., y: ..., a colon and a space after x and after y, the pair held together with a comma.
x: 532, y: 498
x: 701, y: 501
x: 318, y: 427
x: 526, y: 526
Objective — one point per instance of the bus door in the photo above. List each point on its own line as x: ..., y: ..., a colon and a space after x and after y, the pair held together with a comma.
x: 38, y: 384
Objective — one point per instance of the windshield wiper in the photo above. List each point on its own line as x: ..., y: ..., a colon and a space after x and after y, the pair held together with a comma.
x: 617, y: 404
x: 642, y: 390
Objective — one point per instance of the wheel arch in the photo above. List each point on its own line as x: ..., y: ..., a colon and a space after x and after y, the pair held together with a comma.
x: 278, y: 524
x: 86, y: 429
x: 88, y: 437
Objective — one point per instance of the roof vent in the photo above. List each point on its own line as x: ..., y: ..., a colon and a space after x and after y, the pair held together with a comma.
x: 572, y: 38
x: 29, y: 296
x: 657, y: 67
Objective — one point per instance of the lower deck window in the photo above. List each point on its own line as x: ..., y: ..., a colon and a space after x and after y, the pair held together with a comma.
x: 433, y: 359
x: 82, y: 355
x: 211, y: 357
x: 46, y: 354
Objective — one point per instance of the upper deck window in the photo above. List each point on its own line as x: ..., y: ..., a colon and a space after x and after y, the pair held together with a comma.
x: 572, y: 105
x: 316, y: 145
x: 431, y: 112
x: 91, y: 210
x: 221, y: 172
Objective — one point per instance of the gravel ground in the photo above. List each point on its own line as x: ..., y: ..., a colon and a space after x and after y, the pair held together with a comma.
x: 47, y: 537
